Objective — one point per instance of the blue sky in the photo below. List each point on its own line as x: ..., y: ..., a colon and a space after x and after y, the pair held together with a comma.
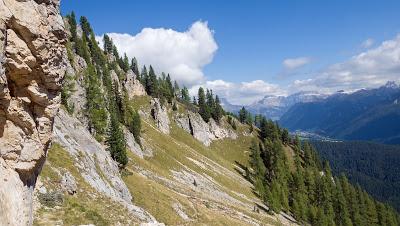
x: 254, y: 38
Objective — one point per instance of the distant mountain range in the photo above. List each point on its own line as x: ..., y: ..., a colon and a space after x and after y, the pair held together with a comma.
x: 274, y: 107
x: 368, y: 114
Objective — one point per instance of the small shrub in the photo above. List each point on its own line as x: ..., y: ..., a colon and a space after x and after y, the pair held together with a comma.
x: 51, y: 199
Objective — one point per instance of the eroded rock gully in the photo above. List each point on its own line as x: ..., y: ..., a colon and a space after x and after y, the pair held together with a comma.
x: 32, y: 66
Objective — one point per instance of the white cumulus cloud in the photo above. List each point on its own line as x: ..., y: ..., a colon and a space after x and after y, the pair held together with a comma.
x: 293, y: 63
x: 371, y: 68
x: 182, y: 54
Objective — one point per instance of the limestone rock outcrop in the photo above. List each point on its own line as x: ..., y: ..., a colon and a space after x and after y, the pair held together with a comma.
x: 75, y: 77
x: 133, y: 86
x: 131, y: 144
x: 32, y: 67
x: 160, y: 115
x: 202, y: 131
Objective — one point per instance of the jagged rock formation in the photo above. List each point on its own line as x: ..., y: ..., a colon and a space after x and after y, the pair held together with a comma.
x: 202, y: 131
x: 160, y: 115
x: 133, y: 86
x: 33, y: 62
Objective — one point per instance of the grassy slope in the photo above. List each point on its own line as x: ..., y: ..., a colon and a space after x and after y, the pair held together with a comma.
x: 177, y: 151
x: 173, y: 152
x: 85, y: 207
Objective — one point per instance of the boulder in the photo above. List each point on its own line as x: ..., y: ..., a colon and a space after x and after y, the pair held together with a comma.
x: 32, y: 66
x: 68, y: 183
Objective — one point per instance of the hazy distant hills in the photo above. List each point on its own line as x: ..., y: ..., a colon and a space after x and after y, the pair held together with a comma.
x: 372, y: 114
x: 274, y: 107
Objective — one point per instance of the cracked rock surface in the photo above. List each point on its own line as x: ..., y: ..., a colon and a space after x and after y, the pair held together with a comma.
x: 32, y: 67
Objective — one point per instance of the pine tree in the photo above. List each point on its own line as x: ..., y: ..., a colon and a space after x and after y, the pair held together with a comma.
x: 340, y: 205
x: 144, y: 77
x: 218, y: 111
x: 115, y: 53
x: 86, y: 28
x: 285, y: 136
x: 152, y: 83
x: 204, y: 111
x: 135, y: 68
x: 83, y: 50
x: 169, y: 89
x: 108, y: 44
x: 300, y: 201
x: 242, y: 115
x: 177, y: 90
x: 354, y: 207
x: 126, y: 65
x: 185, y: 95
x: 256, y: 163
x: 263, y: 128
x: 73, y: 26
x: 95, y: 105
x: 370, y: 211
x: 135, y: 126
x: 66, y: 92
x: 326, y: 196
x: 116, y: 142
x: 210, y: 101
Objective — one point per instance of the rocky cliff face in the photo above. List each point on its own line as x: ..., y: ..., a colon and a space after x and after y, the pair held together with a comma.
x: 33, y: 61
x: 133, y: 86
x: 160, y: 115
x: 94, y: 163
x: 202, y: 131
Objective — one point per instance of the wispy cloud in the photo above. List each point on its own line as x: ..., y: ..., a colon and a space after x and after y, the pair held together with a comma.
x: 371, y: 68
x: 293, y: 63
x: 367, y: 43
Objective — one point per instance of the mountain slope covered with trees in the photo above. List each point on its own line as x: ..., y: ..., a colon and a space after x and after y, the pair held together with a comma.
x: 375, y: 167
x: 289, y: 176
